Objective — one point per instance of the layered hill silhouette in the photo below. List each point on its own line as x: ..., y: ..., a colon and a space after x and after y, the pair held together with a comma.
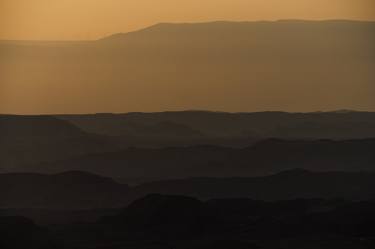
x: 191, y: 179
x: 69, y: 190
x: 175, y: 216
x: 264, y: 157
x: 19, y: 232
x: 28, y: 141
x: 323, y: 209
x: 292, y: 184
x: 200, y: 125
x: 35, y: 139
x: 79, y: 190
x: 217, y: 66
x: 173, y: 221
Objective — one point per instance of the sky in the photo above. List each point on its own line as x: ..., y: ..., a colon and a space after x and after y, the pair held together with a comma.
x: 93, y: 19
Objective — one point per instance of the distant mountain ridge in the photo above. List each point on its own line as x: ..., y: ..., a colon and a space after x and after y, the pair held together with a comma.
x: 316, y: 125
x: 201, y: 137
x: 84, y: 191
x: 288, y: 65
x: 231, y: 25
x: 262, y: 158
x: 290, y: 184
x: 34, y: 139
x: 67, y: 190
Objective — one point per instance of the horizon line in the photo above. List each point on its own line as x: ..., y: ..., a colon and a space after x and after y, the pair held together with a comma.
x: 339, y: 111
x: 189, y: 23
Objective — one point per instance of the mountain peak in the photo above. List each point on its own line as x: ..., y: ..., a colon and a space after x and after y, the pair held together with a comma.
x: 224, y: 24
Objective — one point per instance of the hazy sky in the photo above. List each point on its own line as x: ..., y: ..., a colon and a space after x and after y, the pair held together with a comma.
x: 91, y: 19
x: 44, y: 79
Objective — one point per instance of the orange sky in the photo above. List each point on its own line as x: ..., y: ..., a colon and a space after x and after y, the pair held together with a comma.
x: 91, y: 19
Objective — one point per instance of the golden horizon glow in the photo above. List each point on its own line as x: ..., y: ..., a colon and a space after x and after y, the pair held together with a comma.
x: 334, y: 73
x: 88, y: 19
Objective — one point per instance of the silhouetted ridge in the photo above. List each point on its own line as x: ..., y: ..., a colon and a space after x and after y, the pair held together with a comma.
x: 181, y: 222
x: 291, y: 184
x: 172, y: 218
x: 157, y: 208
x: 263, y: 158
x: 24, y: 127
x: 33, y: 139
x: 19, y: 232
x: 83, y: 177
x: 224, y: 26
x: 245, y: 64
x: 67, y: 190
x: 84, y: 190
x: 224, y: 244
x: 259, y: 125
x: 162, y: 215
x: 295, y: 173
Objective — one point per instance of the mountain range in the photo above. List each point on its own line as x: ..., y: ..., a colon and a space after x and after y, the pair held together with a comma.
x: 85, y: 191
x: 187, y: 144
x: 191, y: 179
x: 264, y: 157
x: 229, y: 66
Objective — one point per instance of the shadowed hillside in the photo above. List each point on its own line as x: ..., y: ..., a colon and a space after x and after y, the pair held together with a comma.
x: 79, y: 190
x: 19, y: 233
x: 34, y: 139
x: 201, y: 126
x: 69, y: 190
x: 291, y: 184
x: 303, y: 210
x: 170, y: 221
x: 199, y: 138
x: 265, y: 157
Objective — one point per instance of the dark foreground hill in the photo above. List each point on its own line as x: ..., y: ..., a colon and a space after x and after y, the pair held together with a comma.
x: 174, y: 217
x: 17, y: 232
x: 181, y: 222
x: 264, y: 157
x: 294, y: 209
